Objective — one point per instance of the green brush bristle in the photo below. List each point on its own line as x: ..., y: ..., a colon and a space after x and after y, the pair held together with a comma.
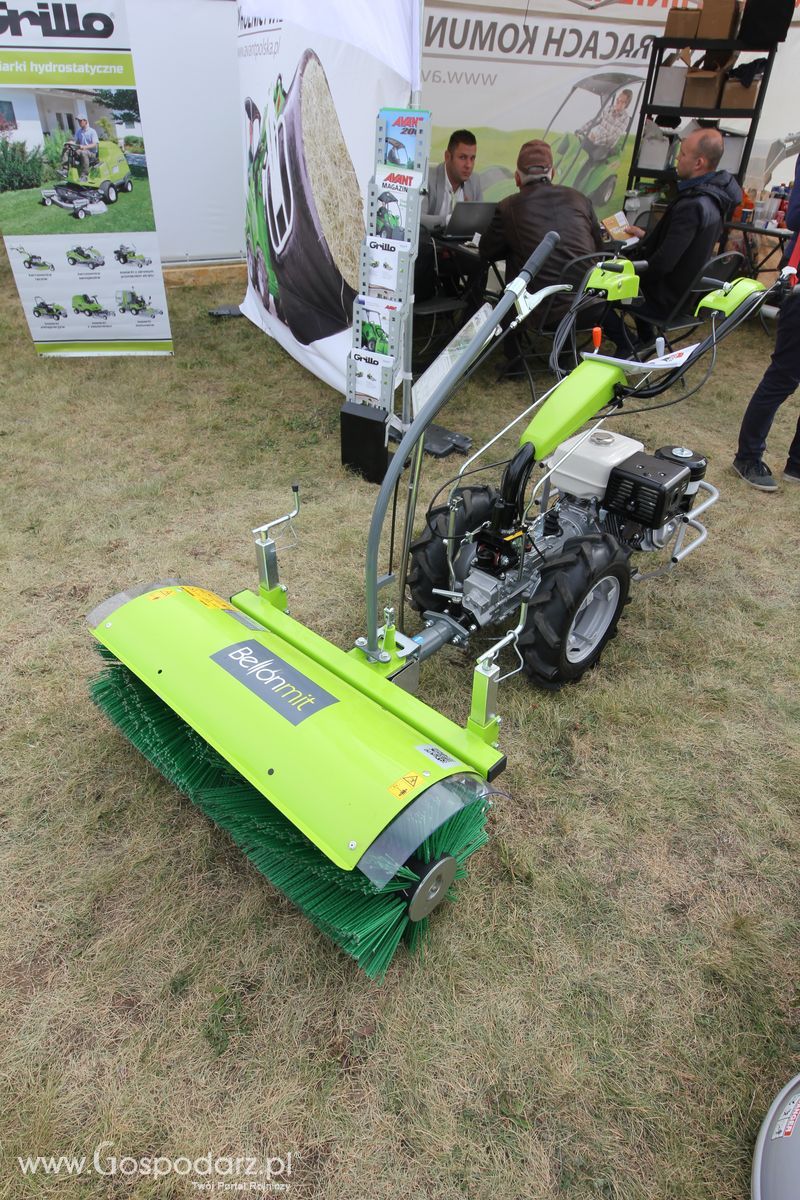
x: 366, y: 923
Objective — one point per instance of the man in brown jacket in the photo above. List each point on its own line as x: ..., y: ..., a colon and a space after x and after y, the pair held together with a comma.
x: 522, y: 219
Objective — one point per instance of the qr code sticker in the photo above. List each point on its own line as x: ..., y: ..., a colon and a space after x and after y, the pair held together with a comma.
x: 438, y: 756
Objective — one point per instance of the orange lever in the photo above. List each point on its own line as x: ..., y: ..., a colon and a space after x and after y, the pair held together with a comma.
x: 597, y: 337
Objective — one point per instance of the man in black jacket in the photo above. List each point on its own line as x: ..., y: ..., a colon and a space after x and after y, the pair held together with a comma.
x: 685, y: 237
x: 522, y: 219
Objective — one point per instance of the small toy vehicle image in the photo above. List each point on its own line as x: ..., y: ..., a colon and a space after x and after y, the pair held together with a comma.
x: 89, y: 306
x: 85, y: 256
x: 88, y: 195
x: 33, y: 262
x: 43, y: 308
x: 129, y: 256
x: 132, y: 302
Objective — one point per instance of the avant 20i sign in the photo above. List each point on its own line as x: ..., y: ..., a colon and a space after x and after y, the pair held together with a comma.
x: 75, y: 207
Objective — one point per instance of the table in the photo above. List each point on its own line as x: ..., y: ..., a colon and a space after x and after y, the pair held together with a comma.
x: 755, y: 265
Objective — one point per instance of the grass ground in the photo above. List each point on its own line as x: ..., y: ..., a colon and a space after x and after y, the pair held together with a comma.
x: 612, y: 1004
x: 23, y: 213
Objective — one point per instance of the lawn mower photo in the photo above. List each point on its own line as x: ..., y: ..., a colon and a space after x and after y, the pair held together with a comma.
x: 388, y: 218
x: 89, y: 306
x: 132, y: 302
x: 129, y: 256
x: 85, y: 256
x: 373, y: 335
x: 108, y: 175
x: 33, y: 262
x: 246, y: 710
x: 43, y: 308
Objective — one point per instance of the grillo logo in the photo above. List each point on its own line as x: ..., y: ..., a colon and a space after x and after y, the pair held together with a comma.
x: 285, y: 689
x: 56, y: 20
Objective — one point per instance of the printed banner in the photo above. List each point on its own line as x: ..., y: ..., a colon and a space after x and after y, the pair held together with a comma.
x: 313, y: 78
x: 75, y: 208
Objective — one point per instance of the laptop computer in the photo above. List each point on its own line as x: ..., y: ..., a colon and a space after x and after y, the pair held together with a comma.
x: 467, y: 218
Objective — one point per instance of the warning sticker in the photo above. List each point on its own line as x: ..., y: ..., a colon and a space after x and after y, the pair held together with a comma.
x: 210, y: 599
x: 406, y: 784
x: 161, y: 593
x: 435, y: 754
x: 788, y: 1119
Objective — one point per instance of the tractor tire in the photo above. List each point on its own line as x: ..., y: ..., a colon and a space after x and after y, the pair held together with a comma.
x: 262, y: 279
x: 428, y: 566
x: 27, y: 264
x: 71, y: 260
x: 112, y: 195
x: 46, y: 201
x: 371, y: 345
x: 575, y: 610
x: 605, y: 191
x: 80, y: 213
x: 127, y: 186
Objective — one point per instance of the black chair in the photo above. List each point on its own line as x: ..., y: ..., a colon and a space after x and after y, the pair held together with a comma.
x: 677, y: 324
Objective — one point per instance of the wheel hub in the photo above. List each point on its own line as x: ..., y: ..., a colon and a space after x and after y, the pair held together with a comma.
x: 592, y: 619
x: 434, y: 884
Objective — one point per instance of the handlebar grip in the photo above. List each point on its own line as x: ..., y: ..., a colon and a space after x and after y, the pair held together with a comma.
x: 540, y: 254
x: 640, y: 265
x: 708, y: 282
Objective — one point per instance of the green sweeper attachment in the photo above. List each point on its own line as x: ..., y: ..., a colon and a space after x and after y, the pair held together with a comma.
x: 357, y: 800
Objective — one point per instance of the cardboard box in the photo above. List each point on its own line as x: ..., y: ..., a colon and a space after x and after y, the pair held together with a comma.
x: 733, y: 149
x: 671, y: 80
x: 718, y: 19
x: 682, y: 23
x: 735, y: 95
x: 702, y: 88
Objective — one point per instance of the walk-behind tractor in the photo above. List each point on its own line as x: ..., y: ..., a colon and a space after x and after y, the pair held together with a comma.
x: 85, y: 256
x: 88, y: 195
x: 89, y: 306
x: 44, y: 308
x: 357, y: 800
x: 33, y: 262
x: 132, y: 302
x: 130, y: 256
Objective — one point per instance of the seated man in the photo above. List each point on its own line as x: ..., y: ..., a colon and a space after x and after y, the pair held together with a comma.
x: 88, y: 145
x: 451, y: 180
x: 599, y: 137
x: 685, y: 237
x: 522, y: 219
x: 449, y: 183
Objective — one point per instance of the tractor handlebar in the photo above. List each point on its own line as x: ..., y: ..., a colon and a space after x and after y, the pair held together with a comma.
x: 540, y: 255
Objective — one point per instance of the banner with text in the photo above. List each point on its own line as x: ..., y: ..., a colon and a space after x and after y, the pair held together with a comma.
x: 75, y: 209
x: 312, y: 80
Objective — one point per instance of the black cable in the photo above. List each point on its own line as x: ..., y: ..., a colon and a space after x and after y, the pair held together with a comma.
x: 473, y: 471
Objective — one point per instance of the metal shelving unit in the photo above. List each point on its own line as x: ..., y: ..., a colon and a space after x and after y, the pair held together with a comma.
x: 661, y: 47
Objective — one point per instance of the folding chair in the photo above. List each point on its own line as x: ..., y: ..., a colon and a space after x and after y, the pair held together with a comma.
x: 681, y: 320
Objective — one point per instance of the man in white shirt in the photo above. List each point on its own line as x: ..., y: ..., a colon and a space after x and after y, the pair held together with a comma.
x: 86, y: 140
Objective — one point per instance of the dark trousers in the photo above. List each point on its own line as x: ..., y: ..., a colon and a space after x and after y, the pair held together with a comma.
x: 780, y: 380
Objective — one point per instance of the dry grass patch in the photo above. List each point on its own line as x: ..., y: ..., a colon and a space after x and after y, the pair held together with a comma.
x: 611, y: 1005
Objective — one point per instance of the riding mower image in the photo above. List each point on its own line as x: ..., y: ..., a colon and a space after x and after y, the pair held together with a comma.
x: 54, y: 312
x: 33, y: 262
x: 594, y: 166
x: 373, y: 335
x: 89, y: 306
x: 295, y: 201
x: 129, y: 256
x: 108, y: 175
x: 246, y: 710
x: 85, y: 256
x: 388, y: 219
x: 132, y: 302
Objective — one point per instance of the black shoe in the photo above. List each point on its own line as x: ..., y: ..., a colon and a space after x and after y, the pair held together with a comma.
x: 757, y: 474
x: 791, y: 474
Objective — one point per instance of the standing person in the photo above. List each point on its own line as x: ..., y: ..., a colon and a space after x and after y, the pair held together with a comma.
x: 522, y: 219
x: 452, y: 180
x: 86, y: 140
x: 780, y: 380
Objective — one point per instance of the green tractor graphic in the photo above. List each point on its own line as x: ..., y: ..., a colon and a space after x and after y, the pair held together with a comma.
x: 108, y: 176
x: 259, y: 262
x: 85, y: 256
x: 32, y: 262
x: 130, y: 256
x: 132, y: 302
x: 373, y: 335
x: 388, y: 219
x: 53, y: 312
x: 89, y: 306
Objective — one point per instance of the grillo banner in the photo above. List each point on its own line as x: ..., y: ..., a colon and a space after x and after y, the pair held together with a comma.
x: 75, y: 208
x: 312, y: 80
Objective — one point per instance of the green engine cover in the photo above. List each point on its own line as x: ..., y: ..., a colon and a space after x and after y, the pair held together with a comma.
x: 574, y: 401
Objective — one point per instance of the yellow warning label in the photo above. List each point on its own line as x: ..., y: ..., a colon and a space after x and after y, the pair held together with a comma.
x: 210, y: 599
x: 405, y: 784
x: 161, y: 593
